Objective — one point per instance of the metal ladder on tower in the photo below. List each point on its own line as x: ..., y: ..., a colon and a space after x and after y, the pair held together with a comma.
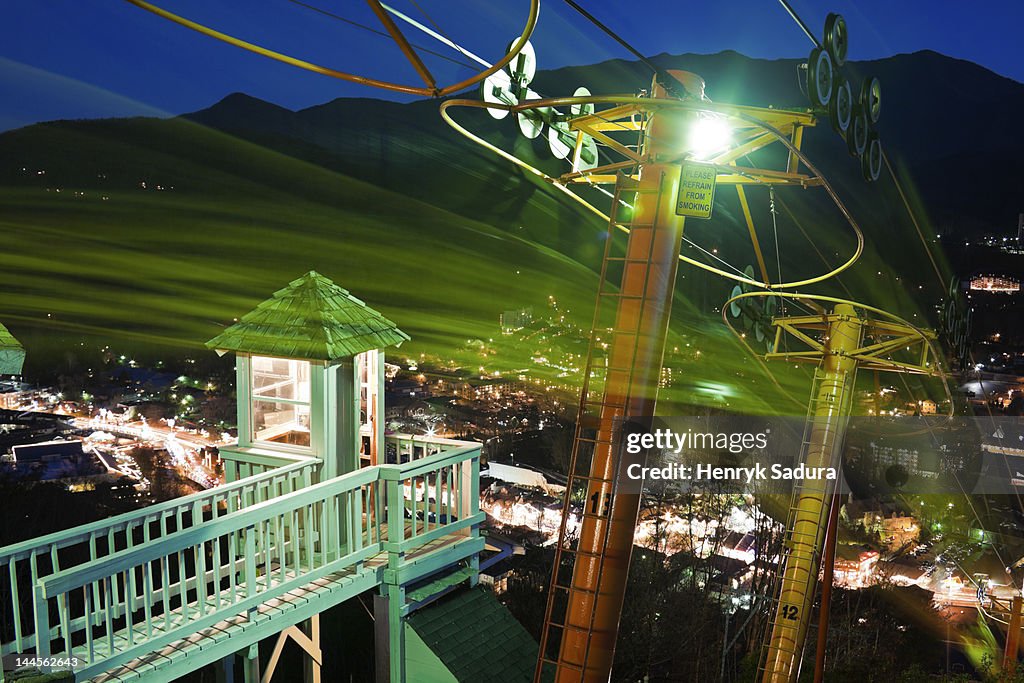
x: 595, y: 407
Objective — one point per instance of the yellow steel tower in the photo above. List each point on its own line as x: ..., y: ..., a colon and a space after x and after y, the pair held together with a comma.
x: 840, y: 342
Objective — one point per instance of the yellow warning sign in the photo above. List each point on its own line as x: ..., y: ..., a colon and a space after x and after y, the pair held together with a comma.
x: 696, y: 190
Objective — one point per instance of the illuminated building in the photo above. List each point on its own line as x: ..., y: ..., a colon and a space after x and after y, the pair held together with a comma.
x: 854, y: 566
x: 995, y: 284
x: 511, y: 321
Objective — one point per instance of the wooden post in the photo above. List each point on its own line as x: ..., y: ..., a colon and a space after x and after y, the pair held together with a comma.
x: 225, y: 669
x: 311, y: 665
x: 396, y: 638
x: 382, y: 637
x: 1012, y: 636
x: 42, y: 619
x: 251, y: 662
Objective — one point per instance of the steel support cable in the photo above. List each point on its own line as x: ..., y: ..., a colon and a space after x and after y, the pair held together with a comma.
x: 370, y: 29
x: 531, y: 23
x: 792, y: 217
x: 670, y: 104
x: 775, y: 230
x: 614, y: 36
x: 438, y: 35
x: 913, y: 218
x: 775, y: 227
x: 800, y: 23
x: 943, y: 375
x: 981, y: 606
x: 716, y: 257
x: 446, y: 40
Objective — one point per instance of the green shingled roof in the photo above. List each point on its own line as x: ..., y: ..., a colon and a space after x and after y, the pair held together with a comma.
x: 312, y: 318
x: 476, y: 638
x: 12, y: 353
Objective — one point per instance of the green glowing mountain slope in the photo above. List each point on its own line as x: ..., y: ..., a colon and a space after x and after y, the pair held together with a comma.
x: 165, y: 230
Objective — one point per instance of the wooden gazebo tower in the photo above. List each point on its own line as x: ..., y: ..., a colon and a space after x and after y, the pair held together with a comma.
x: 310, y: 379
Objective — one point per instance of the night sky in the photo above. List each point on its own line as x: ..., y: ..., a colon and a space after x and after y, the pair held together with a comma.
x: 74, y: 59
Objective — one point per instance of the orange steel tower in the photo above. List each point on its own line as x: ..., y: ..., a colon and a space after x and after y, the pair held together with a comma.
x: 642, y: 306
x: 629, y: 335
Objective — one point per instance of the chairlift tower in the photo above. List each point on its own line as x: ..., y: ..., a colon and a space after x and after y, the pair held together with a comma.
x: 849, y: 338
x: 679, y: 134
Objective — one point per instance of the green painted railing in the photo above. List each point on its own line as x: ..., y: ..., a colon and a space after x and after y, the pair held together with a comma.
x: 137, y: 599
x: 22, y: 565
x: 409, y: 447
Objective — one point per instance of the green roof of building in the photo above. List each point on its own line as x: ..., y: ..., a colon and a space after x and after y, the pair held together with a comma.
x: 7, y: 340
x: 12, y: 353
x: 476, y: 638
x: 312, y: 318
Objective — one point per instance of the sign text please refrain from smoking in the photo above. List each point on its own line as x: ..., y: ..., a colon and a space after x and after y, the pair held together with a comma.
x: 696, y: 190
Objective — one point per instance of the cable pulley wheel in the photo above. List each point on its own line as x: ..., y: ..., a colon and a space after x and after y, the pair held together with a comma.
x: 871, y: 161
x: 840, y: 108
x: 497, y: 89
x: 524, y: 66
x: 871, y: 98
x: 560, y: 139
x: 819, y: 78
x: 950, y: 312
x: 531, y: 121
x: 748, y: 273
x: 771, y: 307
x: 734, y: 306
x: 837, y: 40
x: 588, y: 154
x: 581, y: 109
x: 857, y: 133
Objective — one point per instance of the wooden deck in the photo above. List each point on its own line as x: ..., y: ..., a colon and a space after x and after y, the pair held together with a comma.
x: 238, y: 631
x: 242, y: 563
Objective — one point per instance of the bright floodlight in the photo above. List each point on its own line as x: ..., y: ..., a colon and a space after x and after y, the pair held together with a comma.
x: 708, y: 136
